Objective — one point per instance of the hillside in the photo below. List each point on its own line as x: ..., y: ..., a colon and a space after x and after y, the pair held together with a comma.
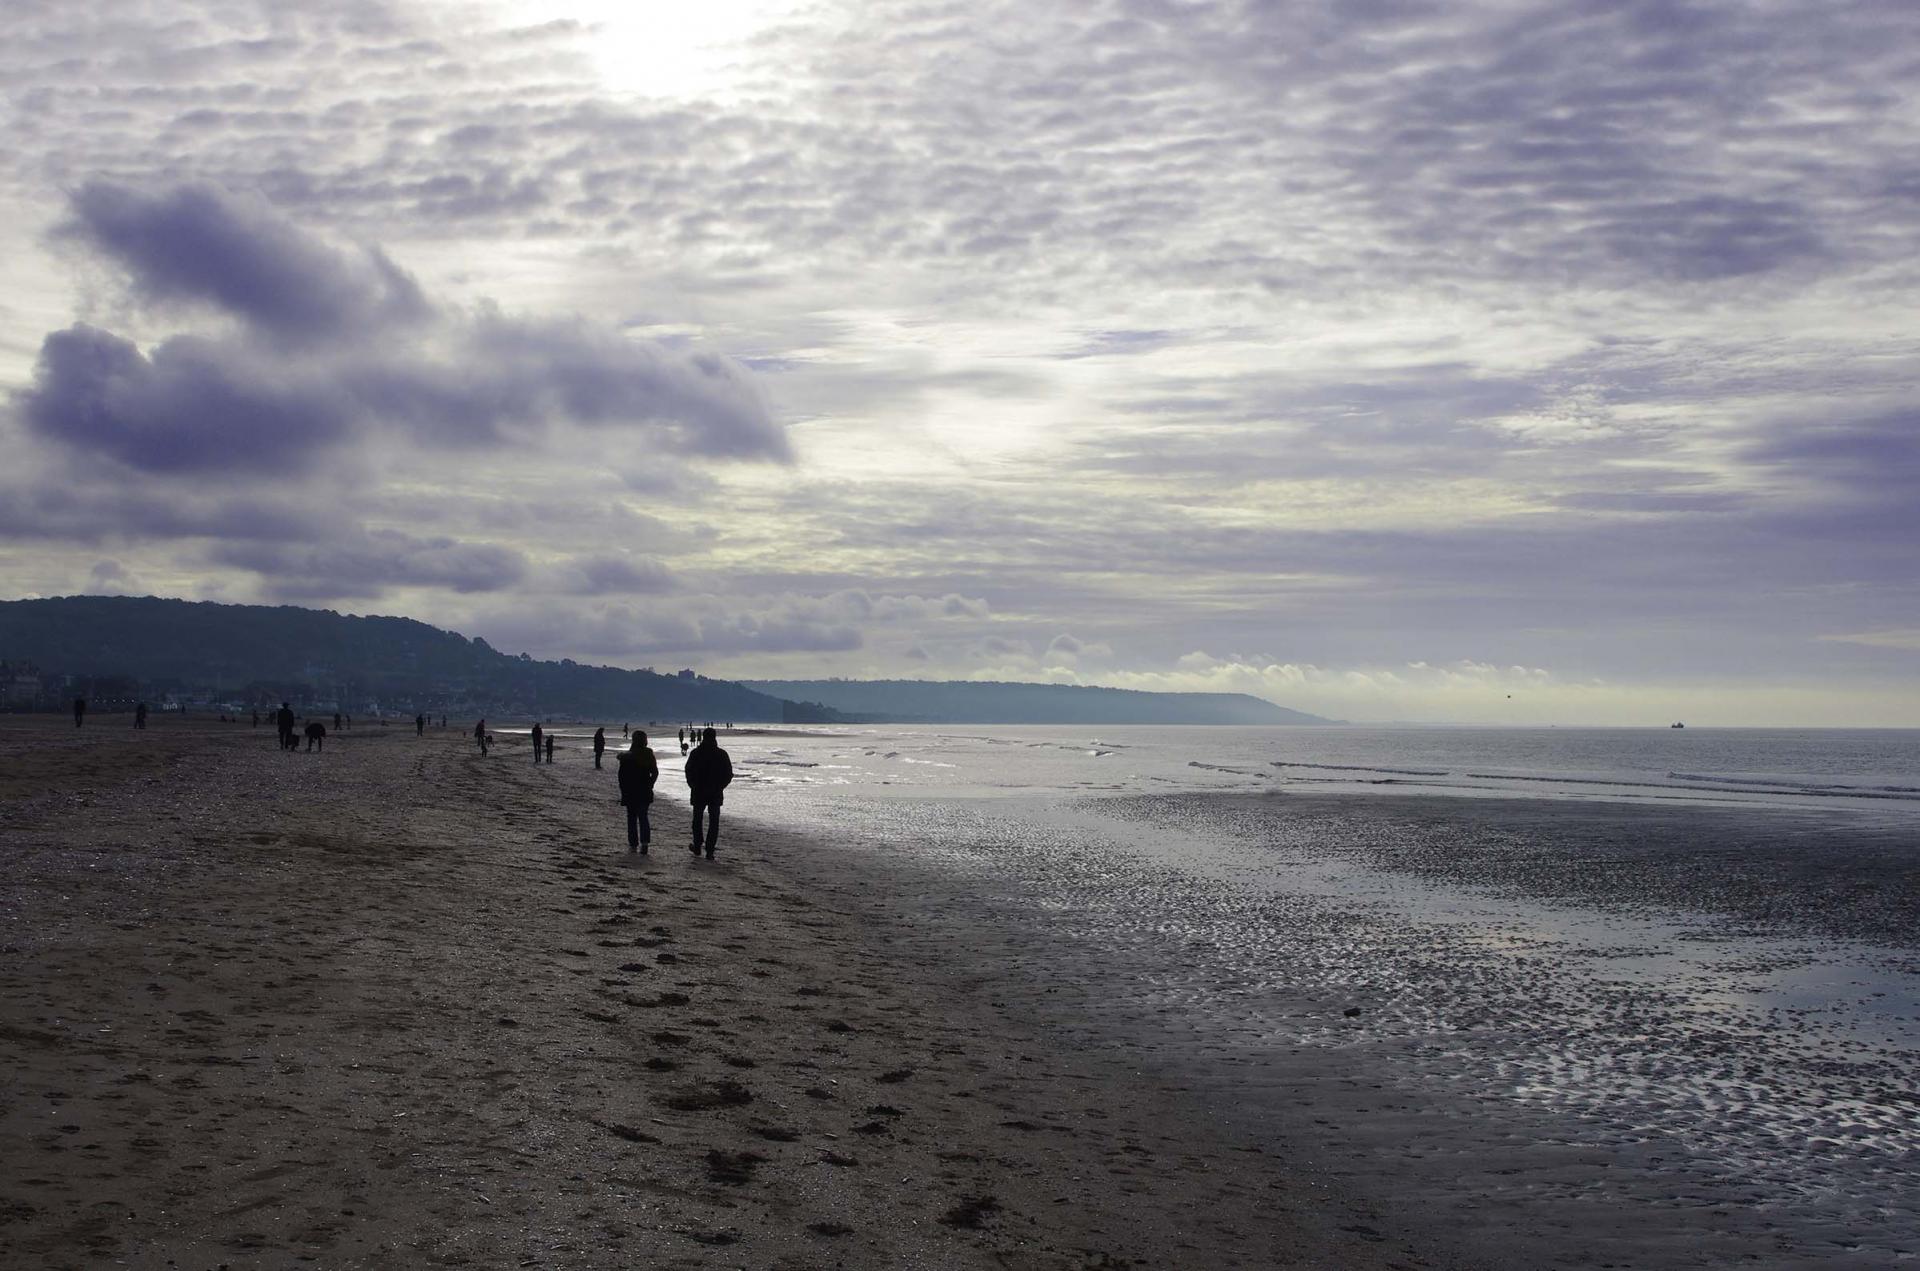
x: 998, y: 702
x: 249, y: 653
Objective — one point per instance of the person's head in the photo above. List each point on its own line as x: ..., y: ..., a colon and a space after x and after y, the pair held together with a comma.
x: 639, y: 740
x: 283, y: 706
x: 708, y: 737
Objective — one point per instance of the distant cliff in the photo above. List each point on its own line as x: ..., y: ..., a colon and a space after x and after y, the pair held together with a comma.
x: 247, y: 652
x: 995, y: 702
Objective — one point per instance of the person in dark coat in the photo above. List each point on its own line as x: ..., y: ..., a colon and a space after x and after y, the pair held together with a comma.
x: 638, y: 771
x: 599, y: 745
x: 480, y: 735
x: 709, y: 772
x: 140, y: 715
x: 549, y: 747
x: 283, y: 720
x: 316, y: 736
x: 536, y: 743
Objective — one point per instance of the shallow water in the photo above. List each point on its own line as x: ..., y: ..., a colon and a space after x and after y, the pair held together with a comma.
x: 1698, y: 994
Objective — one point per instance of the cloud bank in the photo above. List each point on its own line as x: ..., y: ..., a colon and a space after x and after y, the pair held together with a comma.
x: 1358, y: 337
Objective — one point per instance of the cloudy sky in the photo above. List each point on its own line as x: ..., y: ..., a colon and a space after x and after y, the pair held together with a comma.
x: 1489, y: 361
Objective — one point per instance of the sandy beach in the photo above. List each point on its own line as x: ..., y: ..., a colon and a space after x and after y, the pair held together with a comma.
x: 395, y: 1004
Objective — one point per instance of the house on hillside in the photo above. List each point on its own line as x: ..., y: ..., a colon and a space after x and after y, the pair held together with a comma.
x: 20, y: 684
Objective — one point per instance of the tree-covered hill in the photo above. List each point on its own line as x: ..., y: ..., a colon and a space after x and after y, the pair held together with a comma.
x: 244, y: 652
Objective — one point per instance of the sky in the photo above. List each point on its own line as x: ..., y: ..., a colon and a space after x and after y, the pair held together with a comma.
x: 1486, y: 361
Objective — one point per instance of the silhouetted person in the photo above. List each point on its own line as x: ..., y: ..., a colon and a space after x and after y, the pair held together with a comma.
x: 419, y: 725
x: 709, y: 772
x: 283, y: 719
x: 140, y: 715
x: 638, y: 771
x: 79, y: 710
x: 480, y: 735
x: 316, y: 736
x: 256, y: 719
x: 599, y: 745
x: 549, y: 747
x: 536, y: 743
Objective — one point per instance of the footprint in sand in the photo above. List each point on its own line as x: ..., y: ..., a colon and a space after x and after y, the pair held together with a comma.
x: 707, y: 1098
x: 971, y: 1213
x: 732, y: 1168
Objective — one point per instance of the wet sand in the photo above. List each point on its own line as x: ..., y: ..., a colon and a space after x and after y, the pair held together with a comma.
x: 396, y: 1004
x: 1551, y: 1033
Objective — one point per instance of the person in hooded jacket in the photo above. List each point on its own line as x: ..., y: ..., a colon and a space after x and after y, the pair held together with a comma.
x: 709, y: 772
x: 638, y: 771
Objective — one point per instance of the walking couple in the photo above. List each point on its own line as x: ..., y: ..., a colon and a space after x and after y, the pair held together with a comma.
x: 709, y: 772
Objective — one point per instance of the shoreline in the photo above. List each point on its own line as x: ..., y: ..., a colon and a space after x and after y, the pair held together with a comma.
x: 394, y: 1004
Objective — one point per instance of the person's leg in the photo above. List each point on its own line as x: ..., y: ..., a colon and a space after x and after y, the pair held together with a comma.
x: 713, y: 828
x: 695, y: 849
x: 646, y: 829
x: 633, y: 827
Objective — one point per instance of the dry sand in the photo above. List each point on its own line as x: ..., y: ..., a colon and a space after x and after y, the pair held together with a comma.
x: 395, y: 1004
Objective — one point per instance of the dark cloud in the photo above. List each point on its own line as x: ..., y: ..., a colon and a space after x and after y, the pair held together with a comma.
x: 616, y: 575
x: 337, y: 345
x: 367, y: 564
x: 1879, y: 455
x: 195, y: 405
x: 200, y: 243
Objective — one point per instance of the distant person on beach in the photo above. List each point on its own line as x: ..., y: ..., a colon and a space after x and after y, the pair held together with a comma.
x: 336, y: 721
x: 256, y: 719
x: 536, y: 743
x: 419, y: 725
x: 599, y: 745
x: 480, y: 735
x: 79, y: 710
x: 140, y: 715
x: 549, y: 747
x: 638, y: 771
x: 709, y: 772
x: 283, y: 720
x: 316, y: 736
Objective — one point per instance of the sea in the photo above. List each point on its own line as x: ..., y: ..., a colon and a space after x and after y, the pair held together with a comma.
x: 1576, y: 996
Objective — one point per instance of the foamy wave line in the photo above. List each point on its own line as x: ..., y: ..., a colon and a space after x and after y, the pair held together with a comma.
x: 1676, y: 780
x: 1837, y: 787
x: 1354, y: 767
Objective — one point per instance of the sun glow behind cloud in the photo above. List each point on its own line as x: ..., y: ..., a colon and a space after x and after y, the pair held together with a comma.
x: 671, y: 49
